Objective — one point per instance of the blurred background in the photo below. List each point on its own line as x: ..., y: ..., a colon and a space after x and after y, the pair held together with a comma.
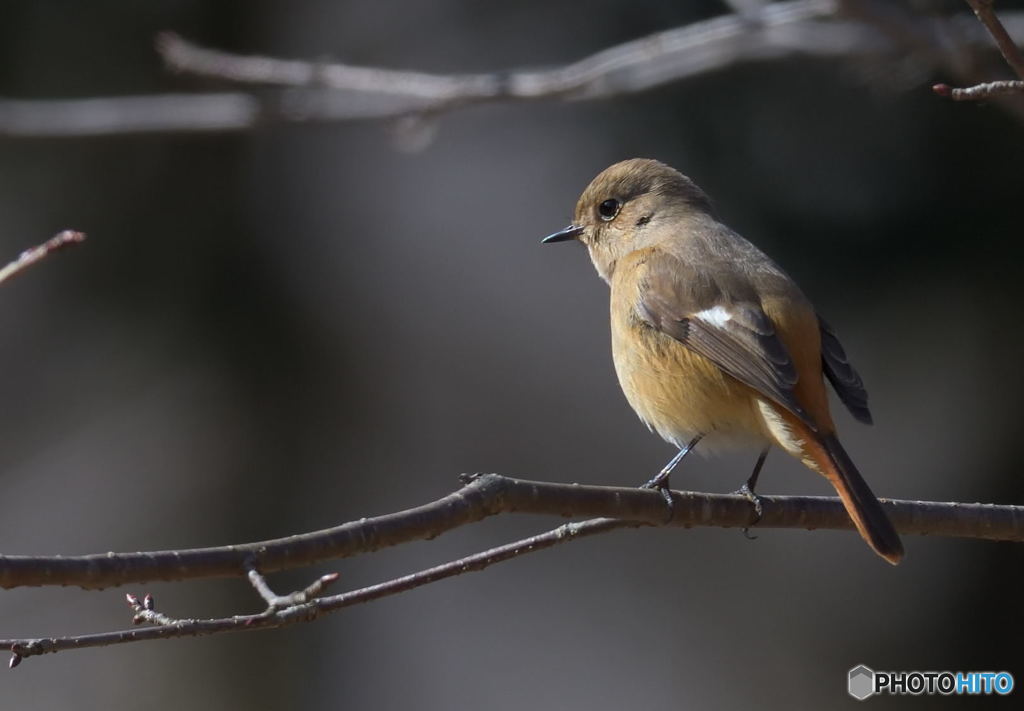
x: 276, y: 330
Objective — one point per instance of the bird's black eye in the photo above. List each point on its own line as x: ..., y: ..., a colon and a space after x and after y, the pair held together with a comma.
x: 609, y: 209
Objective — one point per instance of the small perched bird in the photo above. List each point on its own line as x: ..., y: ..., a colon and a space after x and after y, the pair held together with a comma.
x: 712, y: 341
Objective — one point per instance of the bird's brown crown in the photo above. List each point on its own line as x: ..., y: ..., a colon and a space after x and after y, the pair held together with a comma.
x: 624, y: 182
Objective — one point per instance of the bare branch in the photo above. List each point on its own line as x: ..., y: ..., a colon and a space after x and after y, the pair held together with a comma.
x: 297, y: 91
x: 488, y: 495
x: 997, y: 90
x: 145, y: 611
x: 979, y: 92
x: 300, y: 597
x: 303, y: 611
x: 154, y: 113
x: 321, y: 92
x: 972, y: 520
x: 629, y: 67
x: 983, y: 10
x: 31, y: 256
x: 482, y: 496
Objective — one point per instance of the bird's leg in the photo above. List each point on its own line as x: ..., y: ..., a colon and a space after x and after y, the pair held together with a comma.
x: 660, y: 480
x: 747, y: 491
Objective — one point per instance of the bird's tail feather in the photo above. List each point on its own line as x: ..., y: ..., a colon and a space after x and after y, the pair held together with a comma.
x: 864, y: 508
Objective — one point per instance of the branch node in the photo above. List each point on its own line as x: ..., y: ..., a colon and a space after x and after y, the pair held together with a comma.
x: 285, y: 603
x: 145, y: 611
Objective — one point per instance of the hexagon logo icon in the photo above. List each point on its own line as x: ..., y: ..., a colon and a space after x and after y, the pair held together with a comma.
x: 861, y: 682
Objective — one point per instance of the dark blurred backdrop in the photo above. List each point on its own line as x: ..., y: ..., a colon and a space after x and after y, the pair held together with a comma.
x: 273, y: 331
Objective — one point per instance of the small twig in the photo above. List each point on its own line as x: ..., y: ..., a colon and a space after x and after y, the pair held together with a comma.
x: 263, y: 588
x: 980, y: 92
x: 983, y: 9
x: 279, y: 602
x: 145, y: 611
x: 293, y: 613
x: 31, y: 256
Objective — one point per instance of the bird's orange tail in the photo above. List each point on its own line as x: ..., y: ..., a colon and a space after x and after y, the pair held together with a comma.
x: 867, y: 513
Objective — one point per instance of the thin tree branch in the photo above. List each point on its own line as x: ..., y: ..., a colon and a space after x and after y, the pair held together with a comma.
x: 482, y: 496
x: 280, y: 602
x: 305, y: 611
x: 979, y: 92
x: 489, y: 495
x: 153, y: 113
x: 145, y: 611
x: 926, y: 518
x: 293, y: 91
x: 985, y: 13
x: 628, y: 67
x: 36, y: 254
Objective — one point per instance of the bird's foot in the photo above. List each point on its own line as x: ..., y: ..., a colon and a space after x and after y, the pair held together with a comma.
x: 660, y: 482
x: 748, y: 493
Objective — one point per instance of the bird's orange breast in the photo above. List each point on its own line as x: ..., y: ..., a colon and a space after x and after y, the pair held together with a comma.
x: 677, y: 392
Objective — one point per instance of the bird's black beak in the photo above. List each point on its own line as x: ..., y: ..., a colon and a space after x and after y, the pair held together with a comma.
x: 570, y: 232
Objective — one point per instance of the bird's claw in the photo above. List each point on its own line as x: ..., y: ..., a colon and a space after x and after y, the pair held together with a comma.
x: 660, y: 482
x: 747, y: 493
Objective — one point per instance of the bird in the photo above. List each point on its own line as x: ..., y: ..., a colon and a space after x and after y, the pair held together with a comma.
x: 712, y: 342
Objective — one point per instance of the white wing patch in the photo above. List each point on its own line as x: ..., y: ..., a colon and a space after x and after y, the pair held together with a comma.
x: 716, y: 316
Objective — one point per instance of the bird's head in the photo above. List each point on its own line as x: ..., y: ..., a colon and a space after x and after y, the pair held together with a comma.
x: 626, y: 208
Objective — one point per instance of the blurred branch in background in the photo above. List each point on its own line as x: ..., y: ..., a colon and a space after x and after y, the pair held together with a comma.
x: 483, y: 496
x: 985, y: 13
x: 31, y: 256
x: 774, y: 31
x: 293, y: 91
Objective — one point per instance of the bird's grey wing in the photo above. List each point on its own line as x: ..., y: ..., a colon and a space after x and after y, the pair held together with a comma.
x: 721, y: 322
x: 845, y: 380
